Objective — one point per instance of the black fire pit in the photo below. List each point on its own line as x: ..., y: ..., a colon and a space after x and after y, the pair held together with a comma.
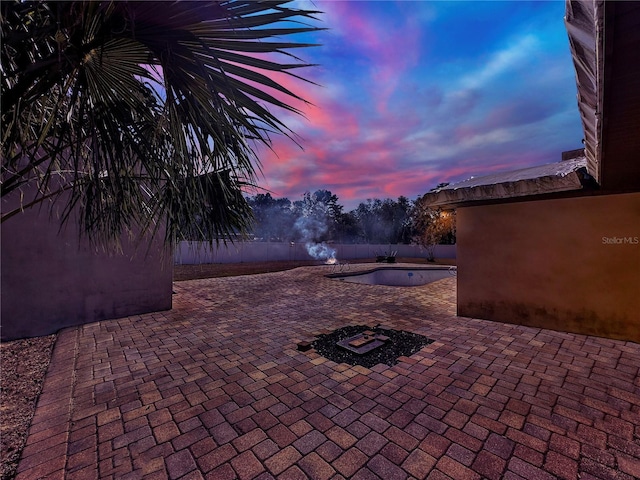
x: 367, y: 346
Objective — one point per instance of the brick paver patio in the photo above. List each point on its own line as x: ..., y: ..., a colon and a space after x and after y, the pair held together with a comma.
x: 216, y: 389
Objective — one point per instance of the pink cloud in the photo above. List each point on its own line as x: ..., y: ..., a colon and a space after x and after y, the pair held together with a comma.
x: 345, y: 151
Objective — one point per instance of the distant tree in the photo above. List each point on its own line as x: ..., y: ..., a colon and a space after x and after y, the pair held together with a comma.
x: 139, y: 115
x: 385, y: 221
x: 399, y: 216
x: 319, y: 202
x: 433, y: 226
x: 365, y: 217
x: 348, y: 229
x: 319, y: 213
x: 273, y: 218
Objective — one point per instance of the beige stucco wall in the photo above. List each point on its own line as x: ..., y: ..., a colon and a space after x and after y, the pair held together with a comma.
x: 51, y: 279
x: 566, y: 264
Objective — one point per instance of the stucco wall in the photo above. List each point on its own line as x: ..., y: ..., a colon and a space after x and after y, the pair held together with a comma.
x: 570, y: 264
x: 52, y: 280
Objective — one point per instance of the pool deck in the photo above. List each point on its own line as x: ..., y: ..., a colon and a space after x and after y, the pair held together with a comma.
x: 216, y: 389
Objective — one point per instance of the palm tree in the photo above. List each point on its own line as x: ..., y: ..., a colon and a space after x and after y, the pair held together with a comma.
x: 143, y: 116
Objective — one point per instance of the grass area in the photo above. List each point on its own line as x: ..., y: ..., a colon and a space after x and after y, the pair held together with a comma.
x: 214, y: 270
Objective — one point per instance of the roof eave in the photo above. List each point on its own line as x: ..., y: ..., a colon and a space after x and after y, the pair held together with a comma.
x: 584, y: 21
x: 508, y: 191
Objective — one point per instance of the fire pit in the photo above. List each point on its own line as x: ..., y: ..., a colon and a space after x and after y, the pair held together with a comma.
x: 363, y: 342
x: 368, y: 346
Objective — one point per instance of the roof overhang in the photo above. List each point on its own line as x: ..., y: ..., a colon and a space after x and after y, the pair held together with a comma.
x: 584, y: 21
x: 553, y: 178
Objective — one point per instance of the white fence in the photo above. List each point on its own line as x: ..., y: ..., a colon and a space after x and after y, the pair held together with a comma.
x: 193, y: 253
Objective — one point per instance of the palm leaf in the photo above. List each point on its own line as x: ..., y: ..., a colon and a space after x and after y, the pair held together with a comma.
x: 144, y: 115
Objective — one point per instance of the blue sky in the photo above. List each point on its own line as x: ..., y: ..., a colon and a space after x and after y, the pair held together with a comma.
x: 414, y: 93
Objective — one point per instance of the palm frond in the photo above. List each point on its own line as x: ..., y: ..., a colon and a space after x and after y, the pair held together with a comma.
x: 146, y: 114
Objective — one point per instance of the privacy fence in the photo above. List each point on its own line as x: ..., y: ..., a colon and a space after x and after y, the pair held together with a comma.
x: 190, y: 253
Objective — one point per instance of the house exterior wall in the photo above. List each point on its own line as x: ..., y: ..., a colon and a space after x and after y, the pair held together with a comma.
x: 565, y: 264
x: 52, y: 279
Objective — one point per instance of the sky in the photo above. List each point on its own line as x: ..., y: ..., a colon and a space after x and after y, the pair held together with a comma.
x: 410, y: 94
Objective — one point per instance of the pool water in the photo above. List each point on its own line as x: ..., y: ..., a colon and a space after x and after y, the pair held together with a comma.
x: 397, y: 277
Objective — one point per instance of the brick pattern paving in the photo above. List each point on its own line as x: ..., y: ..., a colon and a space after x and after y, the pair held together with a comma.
x: 216, y: 389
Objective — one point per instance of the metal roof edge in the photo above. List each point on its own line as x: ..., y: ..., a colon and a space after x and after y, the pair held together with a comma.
x: 566, y: 176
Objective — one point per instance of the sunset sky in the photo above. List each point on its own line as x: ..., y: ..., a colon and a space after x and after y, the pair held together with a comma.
x: 414, y: 93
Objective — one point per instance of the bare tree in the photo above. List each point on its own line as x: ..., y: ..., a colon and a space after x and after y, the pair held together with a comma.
x: 433, y: 226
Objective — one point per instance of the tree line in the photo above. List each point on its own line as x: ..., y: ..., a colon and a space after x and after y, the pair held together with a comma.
x: 375, y: 221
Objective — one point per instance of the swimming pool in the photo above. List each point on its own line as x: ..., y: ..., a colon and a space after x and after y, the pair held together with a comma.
x: 397, y: 276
